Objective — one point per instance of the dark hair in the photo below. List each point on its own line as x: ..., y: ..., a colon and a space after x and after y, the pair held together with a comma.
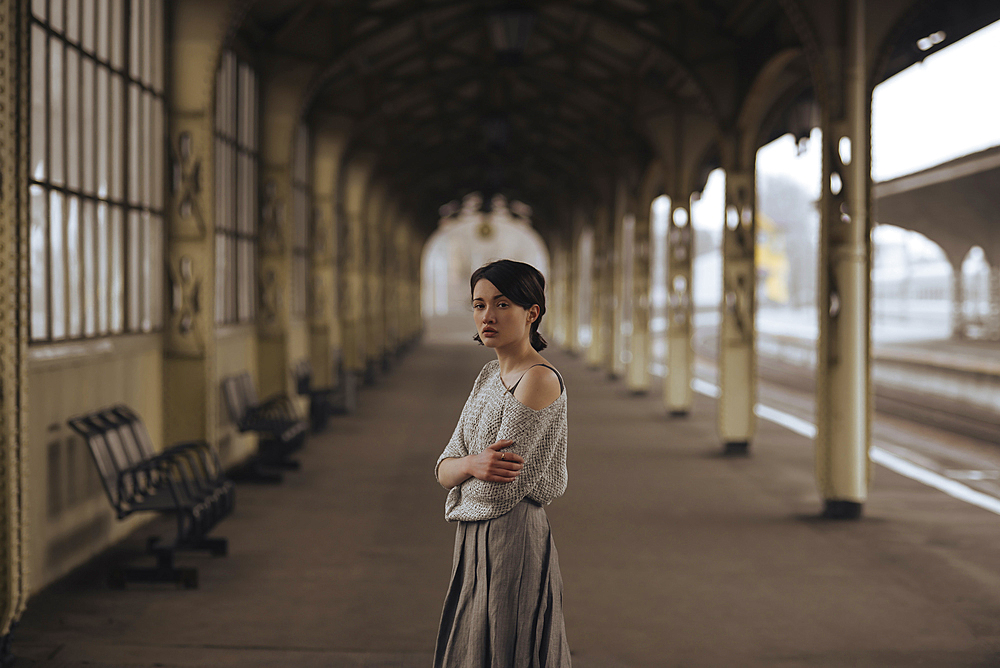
x: 519, y: 282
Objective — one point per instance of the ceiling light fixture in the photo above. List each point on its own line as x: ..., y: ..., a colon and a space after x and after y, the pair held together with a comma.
x: 932, y: 40
x: 509, y: 30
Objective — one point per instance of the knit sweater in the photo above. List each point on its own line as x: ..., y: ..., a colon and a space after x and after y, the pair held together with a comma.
x: 492, y: 413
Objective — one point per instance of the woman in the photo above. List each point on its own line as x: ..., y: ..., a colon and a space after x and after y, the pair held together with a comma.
x: 505, y: 461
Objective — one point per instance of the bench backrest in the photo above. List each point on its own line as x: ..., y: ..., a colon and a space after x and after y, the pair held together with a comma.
x: 108, y: 452
x: 302, y: 374
x: 240, y: 396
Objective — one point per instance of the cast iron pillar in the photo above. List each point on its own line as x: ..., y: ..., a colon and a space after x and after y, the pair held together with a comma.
x: 677, y: 395
x: 638, y: 366
x: 737, y: 332
x: 843, y: 387
x: 957, y: 301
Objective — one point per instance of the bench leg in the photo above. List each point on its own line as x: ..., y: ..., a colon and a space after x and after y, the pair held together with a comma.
x: 217, y: 547
x: 286, y: 464
x: 164, y: 571
x: 256, y: 471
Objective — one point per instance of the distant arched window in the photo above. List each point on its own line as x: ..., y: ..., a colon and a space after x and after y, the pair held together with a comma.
x: 467, y: 238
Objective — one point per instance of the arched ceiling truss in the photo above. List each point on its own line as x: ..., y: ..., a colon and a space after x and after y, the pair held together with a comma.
x: 546, y: 101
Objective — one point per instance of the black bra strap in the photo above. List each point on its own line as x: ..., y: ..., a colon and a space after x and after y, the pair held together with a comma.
x: 514, y: 387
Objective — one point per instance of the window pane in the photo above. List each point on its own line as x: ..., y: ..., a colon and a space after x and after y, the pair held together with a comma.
x: 220, y: 278
x: 57, y: 248
x: 147, y: 273
x: 117, y: 270
x: 147, y: 42
x: 56, y: 117
x: 89, y: 132
x: 252, y: 222
x: 103, y: 133
x: 134, y: 272
x: 241, y: 191
x: 74, y: 278
x: 88, y: 31
x: 149, y: 148
x: 251, y: 100
x: 231, y: 264
x: 38, y: 8
x: 56, y: 15
x: 73, y: 20
x: 249, y: 270
x: 117, y: 33
x: 39, y: 109
x: 89, y: 232
x: 242, y: 270
x: 135, y: 39
x: 117, y: 137
x: 159, y: 23
x: 135, y: 147
x: 103, y: 29
x: 39, y: 267
x: 103, y: 268
x: 155, y: 262
x: 72, y: 119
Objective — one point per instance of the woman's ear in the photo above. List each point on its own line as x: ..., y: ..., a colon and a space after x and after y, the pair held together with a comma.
x: 533, y: 313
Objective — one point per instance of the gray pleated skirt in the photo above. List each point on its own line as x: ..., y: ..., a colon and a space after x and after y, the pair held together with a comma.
x: 504, y: 604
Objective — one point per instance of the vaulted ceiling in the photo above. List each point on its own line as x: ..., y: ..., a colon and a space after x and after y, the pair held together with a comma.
x: 537, y: 100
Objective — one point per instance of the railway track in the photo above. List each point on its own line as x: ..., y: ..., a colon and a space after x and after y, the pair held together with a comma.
x: 911, y: 405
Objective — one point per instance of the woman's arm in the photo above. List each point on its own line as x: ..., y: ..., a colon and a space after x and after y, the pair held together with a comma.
x: 486, y: 466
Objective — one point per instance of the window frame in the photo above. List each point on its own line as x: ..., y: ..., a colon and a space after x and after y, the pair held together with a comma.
x: 93, y: 259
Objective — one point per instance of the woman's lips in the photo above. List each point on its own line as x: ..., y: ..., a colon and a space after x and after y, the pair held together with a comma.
x: 489, y: 333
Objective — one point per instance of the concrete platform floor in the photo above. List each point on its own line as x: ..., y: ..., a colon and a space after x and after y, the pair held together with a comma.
x: 672, y: 555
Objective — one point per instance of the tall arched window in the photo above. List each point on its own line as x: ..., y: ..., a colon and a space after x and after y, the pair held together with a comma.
x: 96, y: 183
x: 236, y: 165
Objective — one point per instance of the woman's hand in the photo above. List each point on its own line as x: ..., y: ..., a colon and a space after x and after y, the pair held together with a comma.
x: 494, y: 465
x: 490, y: 465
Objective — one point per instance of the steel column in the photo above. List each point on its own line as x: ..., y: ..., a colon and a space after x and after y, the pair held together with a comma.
x: 957, y: 301
x: 737, y: 333
x: 638, y: 367
x: 843, y: 388
x: 677, y: 394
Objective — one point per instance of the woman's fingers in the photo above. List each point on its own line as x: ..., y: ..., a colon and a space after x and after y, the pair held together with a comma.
x: 501, y: 444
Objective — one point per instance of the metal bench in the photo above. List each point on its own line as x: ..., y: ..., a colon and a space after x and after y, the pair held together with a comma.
x: 279, y: 428
x: 186, y: 480
x: 325, y: 401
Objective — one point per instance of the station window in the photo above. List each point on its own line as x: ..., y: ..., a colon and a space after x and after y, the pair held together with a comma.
x: 301, y: 216
x: 97, y: 161
x: 236, y: 168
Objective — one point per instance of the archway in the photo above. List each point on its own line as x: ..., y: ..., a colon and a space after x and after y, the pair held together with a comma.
x: 468, y: 236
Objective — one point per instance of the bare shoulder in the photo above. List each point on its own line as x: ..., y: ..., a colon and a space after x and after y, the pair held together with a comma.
x: 538, y: 388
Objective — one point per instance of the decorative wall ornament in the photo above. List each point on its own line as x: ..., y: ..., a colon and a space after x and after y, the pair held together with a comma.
x: 270, y: 297
x: 186, y: 185
x: 319, y: 299
x: 318, y: 233
x: 185, y: 307
x: 272, y: 219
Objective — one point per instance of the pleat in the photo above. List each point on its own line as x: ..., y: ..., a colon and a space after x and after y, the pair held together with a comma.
x: 504, y: 603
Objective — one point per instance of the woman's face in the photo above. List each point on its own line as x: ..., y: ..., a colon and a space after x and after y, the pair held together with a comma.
x: 499, y: 321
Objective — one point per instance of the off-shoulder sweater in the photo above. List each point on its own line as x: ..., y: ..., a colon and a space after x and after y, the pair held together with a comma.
x: 492, y: 413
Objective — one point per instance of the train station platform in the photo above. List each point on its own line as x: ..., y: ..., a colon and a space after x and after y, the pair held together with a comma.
x: 672, y: 554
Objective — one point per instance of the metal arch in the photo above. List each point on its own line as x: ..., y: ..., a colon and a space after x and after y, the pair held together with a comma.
x: 399, y: 15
